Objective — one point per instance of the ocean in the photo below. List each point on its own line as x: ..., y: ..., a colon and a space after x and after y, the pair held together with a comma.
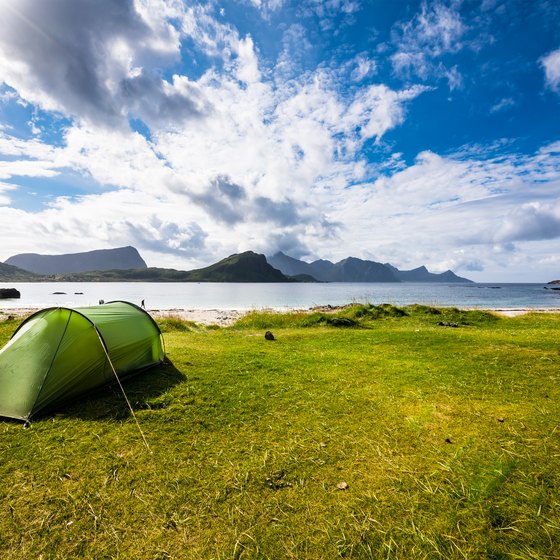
x: 243, y: 296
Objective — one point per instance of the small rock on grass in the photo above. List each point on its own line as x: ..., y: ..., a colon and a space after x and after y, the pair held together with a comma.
x: 342, y: 486
x: 269, y: 336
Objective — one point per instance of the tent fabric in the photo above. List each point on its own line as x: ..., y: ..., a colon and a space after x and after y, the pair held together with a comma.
x: 59, y: 354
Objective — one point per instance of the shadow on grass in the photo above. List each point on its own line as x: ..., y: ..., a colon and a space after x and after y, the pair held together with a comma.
x: 147, y: 390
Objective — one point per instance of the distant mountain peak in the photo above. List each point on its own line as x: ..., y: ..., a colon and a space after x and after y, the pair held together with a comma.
x: 122, y: 258
x: 240, y: 267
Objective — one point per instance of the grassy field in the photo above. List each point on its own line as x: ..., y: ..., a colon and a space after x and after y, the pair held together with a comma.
x: 370, y: 433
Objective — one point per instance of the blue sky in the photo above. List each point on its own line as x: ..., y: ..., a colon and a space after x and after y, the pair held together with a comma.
x: 408, y: 132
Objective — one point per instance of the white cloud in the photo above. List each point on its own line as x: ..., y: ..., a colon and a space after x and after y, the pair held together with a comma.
x: 26, y: 168
x: 295, y: 46
x: 437, y: 29
x: 97, y: 62
x: 529, y: 222
x: 551, y: 64
x: 503, y: 105
x: 467, y: 207
x: 4, y: 198
x: 266, y: 6
x: 10, y: 146
x: 376, y: 109
x: 363, y: 67
x: 332, y: 14
x: 247, y: 66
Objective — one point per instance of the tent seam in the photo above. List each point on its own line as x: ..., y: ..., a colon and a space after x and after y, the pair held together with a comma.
x: 52, y: 361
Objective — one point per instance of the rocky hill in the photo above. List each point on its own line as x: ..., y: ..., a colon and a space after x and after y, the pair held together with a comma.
x: 123, y: 258
x: 243, y: 267
x: 9, y: 273
x: 352, y: 269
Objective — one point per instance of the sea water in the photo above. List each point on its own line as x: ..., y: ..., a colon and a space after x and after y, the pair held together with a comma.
x: 244, y: 296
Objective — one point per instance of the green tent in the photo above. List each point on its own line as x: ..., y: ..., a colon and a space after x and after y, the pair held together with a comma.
x: 59, y: 354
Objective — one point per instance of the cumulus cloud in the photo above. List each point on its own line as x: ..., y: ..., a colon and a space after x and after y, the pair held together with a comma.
x: 223, y: 199
x: 109, y: 219
x: 100, y: 62
x: 551, y: 65
x: 160, y: 236
x: 531, y: 221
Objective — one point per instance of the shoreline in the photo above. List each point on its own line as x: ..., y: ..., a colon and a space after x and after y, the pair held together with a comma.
x: 227, y: 317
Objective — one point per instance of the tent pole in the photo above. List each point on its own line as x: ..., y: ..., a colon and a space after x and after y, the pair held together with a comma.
x: 53, y: 358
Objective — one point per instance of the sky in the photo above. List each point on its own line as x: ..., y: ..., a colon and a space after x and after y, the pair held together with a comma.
x: 405, y: 132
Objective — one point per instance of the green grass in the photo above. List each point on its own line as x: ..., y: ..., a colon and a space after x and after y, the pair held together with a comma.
x: 448, y: 439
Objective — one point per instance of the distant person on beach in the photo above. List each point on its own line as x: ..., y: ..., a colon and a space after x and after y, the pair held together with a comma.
x: 142, y: 305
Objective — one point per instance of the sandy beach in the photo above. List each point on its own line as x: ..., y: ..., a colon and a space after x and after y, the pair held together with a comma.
x: 227, y: 317
x: 219, y: 317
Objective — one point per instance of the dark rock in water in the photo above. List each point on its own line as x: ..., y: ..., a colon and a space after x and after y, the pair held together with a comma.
x: 269, y: 336
x: 59, y: 293
x: 9, y: 293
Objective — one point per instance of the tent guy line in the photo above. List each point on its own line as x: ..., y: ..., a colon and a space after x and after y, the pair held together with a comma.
x: 123, y: 392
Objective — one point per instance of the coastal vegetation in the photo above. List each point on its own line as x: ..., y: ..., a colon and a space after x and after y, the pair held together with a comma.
x: 364, y: 432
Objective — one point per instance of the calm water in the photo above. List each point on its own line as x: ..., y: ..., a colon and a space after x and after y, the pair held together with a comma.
x: 256, y: 296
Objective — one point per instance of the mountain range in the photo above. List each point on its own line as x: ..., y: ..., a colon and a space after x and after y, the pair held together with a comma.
x: 352, y: 269
x: 126, y: 265
x: 243, y: 267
